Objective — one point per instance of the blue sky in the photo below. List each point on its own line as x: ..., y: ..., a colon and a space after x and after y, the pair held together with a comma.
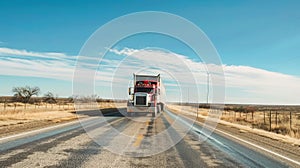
x: 259, y: 34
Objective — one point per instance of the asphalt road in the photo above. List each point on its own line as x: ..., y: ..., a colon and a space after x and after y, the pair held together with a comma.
x: 68, y: 145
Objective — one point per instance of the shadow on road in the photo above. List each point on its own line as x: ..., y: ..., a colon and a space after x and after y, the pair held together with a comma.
x: 109, y: 112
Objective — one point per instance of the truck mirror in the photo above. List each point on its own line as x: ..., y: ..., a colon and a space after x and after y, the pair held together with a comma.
x: 130, y: 91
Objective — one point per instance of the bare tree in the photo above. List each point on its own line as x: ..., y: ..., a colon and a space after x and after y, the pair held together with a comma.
x: 70, y: 99
x: 24, y: 94
x: 49, y: 98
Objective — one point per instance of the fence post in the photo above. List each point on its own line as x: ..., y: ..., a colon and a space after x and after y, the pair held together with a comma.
x: 264, y: 118
x: 234, y: 115
x: 290, y: 119
x: 197, y: 112
x: 276, y: 118
x: 270, y: 120
x: 4, y: 104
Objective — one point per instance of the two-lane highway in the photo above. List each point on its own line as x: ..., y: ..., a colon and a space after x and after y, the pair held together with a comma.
x: 68, y: 145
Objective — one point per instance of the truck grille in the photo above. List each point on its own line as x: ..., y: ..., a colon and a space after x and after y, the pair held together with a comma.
x: 141, y: 100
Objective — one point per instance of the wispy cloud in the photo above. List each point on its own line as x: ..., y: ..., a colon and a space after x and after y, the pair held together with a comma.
x: 244, y: 84
x: 48, y: 55
x: 53, y: 65
x: 125, y: 51
x: 36, y: 68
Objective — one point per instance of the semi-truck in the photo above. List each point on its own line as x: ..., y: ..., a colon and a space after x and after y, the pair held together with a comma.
x: 146, y: 95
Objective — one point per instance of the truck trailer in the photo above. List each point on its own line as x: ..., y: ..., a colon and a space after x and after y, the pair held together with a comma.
x: 146, y: 95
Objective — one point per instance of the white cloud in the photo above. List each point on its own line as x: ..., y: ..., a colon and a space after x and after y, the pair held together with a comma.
x: 262, y: 86
x: 244, y: 84
x: 35, y: 68
x: 16, y: 52
x: 125, y: 51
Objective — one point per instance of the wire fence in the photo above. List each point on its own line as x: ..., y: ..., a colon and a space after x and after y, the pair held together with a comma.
x: 17, y: 107
x: 8, y: 104
x: 279, y: 121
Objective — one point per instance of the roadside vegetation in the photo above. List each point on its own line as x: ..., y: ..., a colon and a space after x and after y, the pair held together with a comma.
x: 280, y: 119
x: 27, y: 105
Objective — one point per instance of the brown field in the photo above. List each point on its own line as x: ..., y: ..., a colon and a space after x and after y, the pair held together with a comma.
x: 19, y: 113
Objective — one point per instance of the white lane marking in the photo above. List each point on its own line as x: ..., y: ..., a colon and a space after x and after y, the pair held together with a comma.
x: 196, y: 129
x: 249, y: 143
x: 38, y: 130
x: 44, y: 129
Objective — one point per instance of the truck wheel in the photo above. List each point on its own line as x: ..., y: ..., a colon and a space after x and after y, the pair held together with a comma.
x: 153, y: 114
x: 158, y: 109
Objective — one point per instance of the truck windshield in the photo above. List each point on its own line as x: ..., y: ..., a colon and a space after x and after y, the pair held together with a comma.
x: 148, y: 90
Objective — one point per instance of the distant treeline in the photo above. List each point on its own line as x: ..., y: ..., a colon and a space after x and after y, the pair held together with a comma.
x: 33, y: 100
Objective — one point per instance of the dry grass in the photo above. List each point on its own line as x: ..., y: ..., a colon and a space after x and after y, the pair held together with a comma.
x: 45, y: 112
x: 281, y: 131
x: 20, y: 115
x: 21, y: 107
x: 281, y: 125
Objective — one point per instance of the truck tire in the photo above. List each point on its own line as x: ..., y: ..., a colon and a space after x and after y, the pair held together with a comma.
x: 158, y: 109
x: 162, y: 107
x: 154, y: 114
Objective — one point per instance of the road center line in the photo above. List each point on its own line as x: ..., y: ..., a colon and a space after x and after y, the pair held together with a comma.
x: 138, y: 140
x: 140, y: 137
